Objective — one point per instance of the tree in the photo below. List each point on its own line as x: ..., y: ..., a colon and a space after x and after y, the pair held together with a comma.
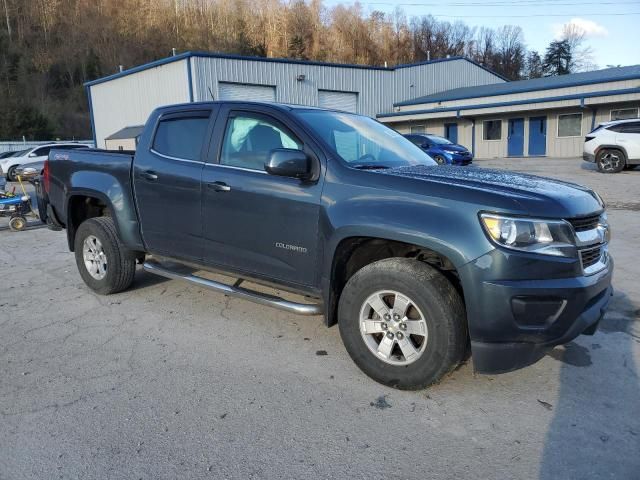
x: 581, y: 55
x: 534, y: 67
x: 510, y: 55
x: 558, y: 59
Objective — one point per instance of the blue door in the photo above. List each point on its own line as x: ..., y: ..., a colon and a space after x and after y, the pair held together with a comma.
x: 537, y: 136
x: 515, y: 138
x: 451, y: 132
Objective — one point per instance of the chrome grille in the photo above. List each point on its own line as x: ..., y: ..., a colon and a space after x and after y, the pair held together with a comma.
x: 585, y: 223
x: 590, y: 256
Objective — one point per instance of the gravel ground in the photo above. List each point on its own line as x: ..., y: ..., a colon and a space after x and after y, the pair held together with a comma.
x: 170, y: 381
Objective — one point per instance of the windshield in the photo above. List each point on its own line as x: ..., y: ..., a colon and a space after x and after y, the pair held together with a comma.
x: 439, y: 140
x: 362, y: 142
x: 21, y: 153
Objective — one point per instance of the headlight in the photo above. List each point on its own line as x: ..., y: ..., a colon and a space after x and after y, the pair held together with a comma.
x: 548, y: 237
x: 451, y: 152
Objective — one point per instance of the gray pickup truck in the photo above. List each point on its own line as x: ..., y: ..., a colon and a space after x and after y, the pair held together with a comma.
x: 418, y: 264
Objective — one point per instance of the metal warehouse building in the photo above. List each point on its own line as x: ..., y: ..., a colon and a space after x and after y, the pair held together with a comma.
x: 127, y: 98
x: 539, y: 117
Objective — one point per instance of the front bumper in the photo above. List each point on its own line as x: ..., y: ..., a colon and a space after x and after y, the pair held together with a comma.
x: 459, y: 159
x: 506, y: 337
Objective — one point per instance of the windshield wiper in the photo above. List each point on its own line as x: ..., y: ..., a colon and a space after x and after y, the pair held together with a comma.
x: 371, y: 167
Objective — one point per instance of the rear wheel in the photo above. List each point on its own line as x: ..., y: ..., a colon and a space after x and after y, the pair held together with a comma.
x: 105, y: 265
x: 403, y: 323
x: 11, y: 173
x: 610, y: 161
x: 18, y: 223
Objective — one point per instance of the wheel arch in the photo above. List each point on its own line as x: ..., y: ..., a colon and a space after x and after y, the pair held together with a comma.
x: 83, y: 204
x: 607, y: 146
x: 353, y: 252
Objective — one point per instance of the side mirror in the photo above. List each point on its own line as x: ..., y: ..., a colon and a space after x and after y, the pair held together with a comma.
x: 32, y: 155
x: 287, y: 162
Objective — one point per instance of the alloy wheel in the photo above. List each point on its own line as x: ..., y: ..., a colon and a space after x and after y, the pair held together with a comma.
x: 393, y: 327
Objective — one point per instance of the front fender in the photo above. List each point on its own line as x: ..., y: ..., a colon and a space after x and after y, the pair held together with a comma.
x: 448, y: 227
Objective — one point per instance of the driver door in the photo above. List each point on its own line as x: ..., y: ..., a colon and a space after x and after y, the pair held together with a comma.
x: 253, y: 222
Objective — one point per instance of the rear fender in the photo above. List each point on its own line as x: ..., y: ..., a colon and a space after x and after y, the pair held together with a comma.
x: 117, y: 199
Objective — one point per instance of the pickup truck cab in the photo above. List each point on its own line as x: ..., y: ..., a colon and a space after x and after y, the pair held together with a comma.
x: 417, y: 263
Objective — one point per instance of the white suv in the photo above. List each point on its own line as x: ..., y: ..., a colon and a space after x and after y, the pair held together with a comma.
x: 32, y: 155
x: 614, y: 146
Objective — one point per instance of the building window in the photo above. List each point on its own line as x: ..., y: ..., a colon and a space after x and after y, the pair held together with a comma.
x: 624, y: 114
x: 570, y: 125
x: 492, y: 130
x: 417, y: 129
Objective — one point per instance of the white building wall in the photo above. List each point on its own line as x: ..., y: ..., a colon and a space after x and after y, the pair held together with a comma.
x: 128, y: 100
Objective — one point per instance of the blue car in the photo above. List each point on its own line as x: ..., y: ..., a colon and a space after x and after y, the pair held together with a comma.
x: 441, y: 150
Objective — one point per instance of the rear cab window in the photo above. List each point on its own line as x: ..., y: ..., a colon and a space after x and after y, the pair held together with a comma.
x: 181, y: 136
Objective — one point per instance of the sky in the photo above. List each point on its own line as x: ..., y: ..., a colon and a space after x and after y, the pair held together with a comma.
x: 612, y: 27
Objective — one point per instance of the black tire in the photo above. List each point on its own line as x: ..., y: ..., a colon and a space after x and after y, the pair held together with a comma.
x: 610, y: 160
x: 432, y: 293
x: 11, y: 173
x: 18, y: 223
x: 121, y: 262
x: 440, y: 160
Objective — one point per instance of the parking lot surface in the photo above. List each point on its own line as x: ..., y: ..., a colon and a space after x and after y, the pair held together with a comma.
x: 168, y: 380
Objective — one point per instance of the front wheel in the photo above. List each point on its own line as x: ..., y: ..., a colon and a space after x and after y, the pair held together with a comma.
x: 610, y: 161
x: 403, y: 323
x: 105, y: 265
x: 440, y: 160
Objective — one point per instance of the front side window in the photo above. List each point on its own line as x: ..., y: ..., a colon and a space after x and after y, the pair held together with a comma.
x: 249, y: 139
x: 181, y: 138
x: 362, y: 142
x: 624, y: 114
x: 570, y: 125
x: 492, y: 129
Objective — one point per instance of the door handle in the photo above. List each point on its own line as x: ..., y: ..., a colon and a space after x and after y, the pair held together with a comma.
x: 149, y: 175
x: 219, y: 187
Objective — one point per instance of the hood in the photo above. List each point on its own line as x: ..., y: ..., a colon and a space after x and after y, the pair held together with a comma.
x: 534, y: 195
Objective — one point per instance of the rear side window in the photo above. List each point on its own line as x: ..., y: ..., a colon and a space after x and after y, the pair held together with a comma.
x: 41, y: 152
x: 181, y: 138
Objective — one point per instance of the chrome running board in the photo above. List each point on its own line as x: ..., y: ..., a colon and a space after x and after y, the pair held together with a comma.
x: 235, y: 290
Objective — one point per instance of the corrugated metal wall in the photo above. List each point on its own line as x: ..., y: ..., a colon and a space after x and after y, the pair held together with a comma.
x: 377, y: 89
x: 129, y: 100
x: 369, y: 84
x: 420, y: 80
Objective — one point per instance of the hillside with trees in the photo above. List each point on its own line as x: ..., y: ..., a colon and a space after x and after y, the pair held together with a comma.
x: 49, y: 48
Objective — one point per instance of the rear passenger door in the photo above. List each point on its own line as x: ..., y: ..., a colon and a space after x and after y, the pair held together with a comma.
x: 628, y: 136
x: 256, y: 223
x: 167, y: 182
